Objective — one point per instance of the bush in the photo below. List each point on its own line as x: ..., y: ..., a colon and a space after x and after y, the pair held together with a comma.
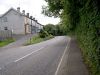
x: 50, y: 28
x: 43, y: 34
x: 50, y: 36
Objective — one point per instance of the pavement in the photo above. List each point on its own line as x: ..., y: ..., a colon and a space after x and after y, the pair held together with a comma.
x: 57, y: 56
x: 73, y: 63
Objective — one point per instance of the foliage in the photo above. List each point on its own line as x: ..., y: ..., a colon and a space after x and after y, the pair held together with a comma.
x: 37, y: 39
x: 50, y: 28
x: 43, y: 34
x: 54, y: 6
x: 6, y: 42
x: 53, y: 29
x: 81, y: 17
x: 34, y: 40
x: 59, y: 29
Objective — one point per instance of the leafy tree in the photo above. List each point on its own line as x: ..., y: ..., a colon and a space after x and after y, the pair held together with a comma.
x: 50, y: 28
x: 43, y: 34
x: 81, y: 17
x: 59, y: 29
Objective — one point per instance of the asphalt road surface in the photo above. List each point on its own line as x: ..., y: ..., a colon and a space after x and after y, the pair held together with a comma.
x: 39, y: 59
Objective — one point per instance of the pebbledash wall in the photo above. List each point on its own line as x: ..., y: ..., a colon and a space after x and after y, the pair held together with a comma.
x: 19, y: 23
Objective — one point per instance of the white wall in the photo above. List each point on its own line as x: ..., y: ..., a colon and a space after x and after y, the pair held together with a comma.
x: 28, y: 25
x: 15, y: 22
x: 0, y: 24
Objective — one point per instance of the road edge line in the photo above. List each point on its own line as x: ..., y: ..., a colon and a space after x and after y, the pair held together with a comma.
x: 67, y: 47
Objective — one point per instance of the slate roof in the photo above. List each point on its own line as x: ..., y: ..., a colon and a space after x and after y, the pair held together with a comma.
x: 17, y: 12
x: 9, y: 11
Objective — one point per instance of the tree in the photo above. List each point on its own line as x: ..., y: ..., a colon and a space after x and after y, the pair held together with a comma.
x: 53, y: 9
x: 81, y: 17
x: 50, y: 28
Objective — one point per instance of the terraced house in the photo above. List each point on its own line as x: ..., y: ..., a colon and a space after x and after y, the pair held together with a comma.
x: 19, y: 22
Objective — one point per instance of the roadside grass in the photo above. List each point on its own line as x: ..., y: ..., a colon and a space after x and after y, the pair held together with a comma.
x: 37, y: 39
x: 6, y: 42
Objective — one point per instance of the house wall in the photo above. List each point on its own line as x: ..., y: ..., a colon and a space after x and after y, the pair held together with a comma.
x: 0, y: 23
x: 33, y: 23
x: 27, y: 23
x: 13, y: 21
x: 33, y: 30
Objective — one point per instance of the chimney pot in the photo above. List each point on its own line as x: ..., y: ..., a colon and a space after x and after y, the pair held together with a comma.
x: 36, y: 20
x: 28, y: 15
x: 18, y: 9
x: 23, y: 12
x: 31, y: 17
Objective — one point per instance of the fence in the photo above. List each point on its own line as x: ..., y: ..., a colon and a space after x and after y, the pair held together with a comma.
x: 4, y: 34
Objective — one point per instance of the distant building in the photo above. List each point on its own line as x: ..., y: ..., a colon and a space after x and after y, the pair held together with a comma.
x: 19, y: 23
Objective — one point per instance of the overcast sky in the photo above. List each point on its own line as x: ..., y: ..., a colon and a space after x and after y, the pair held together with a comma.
x: 34, y: 7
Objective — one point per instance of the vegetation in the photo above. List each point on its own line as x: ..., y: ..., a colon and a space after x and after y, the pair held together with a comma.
x: 46, y: 33
x: 6, y: 42
x: 51, y: 29
x: 43, y: 34
x: 81, y: 18
x: 37, y: 39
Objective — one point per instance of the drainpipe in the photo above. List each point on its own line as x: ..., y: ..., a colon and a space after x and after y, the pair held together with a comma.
x: 31, y: 26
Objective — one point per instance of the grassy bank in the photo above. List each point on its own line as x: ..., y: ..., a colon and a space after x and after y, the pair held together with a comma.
x: 37, y: 39
x: 6, y: 42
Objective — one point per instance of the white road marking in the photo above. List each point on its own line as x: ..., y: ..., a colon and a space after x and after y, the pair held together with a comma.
x: 56, y: 73
x: 28, y: 55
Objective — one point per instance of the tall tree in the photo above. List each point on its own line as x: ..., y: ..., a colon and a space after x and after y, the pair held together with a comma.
x: 83, y: 18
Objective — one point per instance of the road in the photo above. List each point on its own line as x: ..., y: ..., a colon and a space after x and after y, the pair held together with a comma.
x: 39, y: 59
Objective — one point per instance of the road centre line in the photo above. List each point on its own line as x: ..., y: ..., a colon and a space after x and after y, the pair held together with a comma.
x: 28, y: 55
x: 66, y: 49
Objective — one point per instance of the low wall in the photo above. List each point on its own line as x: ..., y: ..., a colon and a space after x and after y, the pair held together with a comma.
x: 4, y: 34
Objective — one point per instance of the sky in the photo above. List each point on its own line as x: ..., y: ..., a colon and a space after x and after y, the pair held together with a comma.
x: 34, y: 7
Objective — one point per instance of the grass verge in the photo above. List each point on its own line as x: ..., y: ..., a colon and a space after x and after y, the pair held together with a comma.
x: 6, y: 42
x: 37, y: 39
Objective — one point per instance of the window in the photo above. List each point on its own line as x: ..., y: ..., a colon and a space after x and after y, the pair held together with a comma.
x: 5, y: 19
x: 5, y: 28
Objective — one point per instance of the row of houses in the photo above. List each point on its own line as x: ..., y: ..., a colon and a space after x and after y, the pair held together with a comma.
x: 19, y: 22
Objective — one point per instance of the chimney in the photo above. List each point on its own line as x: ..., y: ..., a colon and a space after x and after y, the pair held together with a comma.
x: 28, y: 15
x: 18, y: 9
x: 35, y: 20
x: 31, y: 17
x: 23, y: 12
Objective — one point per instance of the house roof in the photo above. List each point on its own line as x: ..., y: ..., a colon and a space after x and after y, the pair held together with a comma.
x: 0, y: 15
x: 9, y: 11
x: 17, y: 12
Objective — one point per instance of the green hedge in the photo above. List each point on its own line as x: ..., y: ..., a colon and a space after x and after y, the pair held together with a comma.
x: 82, y: 18
x: 89, y: 39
